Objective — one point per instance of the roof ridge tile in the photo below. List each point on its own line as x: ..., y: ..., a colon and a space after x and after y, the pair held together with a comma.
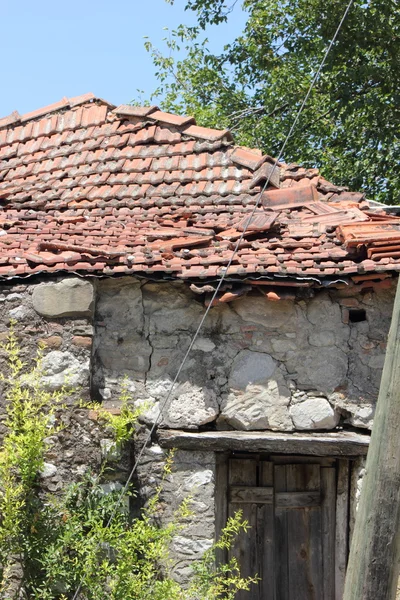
x: 171, y: 119
x: 15, y: 117
x: 205, y: 133
x: 130, y: 110
x: 45, y: 110
x: 76, y: 100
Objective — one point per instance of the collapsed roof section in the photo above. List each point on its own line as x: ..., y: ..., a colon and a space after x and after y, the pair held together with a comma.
x: 89, y: 188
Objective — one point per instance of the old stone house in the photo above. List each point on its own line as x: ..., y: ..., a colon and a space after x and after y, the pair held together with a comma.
x: 115, y: 226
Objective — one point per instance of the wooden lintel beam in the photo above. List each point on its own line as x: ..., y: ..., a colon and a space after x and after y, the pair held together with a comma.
x: 343, y: 444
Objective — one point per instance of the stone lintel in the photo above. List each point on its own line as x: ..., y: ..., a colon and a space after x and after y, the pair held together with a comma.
x: 337, y: 444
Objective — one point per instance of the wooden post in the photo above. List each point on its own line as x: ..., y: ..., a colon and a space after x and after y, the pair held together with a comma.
x: 373, y: 566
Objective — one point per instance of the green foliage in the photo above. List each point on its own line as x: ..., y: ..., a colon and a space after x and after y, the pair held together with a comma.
x: 30, y: 420
x: 350, y: 127
x: 51, y: 545
x: 122, y: 424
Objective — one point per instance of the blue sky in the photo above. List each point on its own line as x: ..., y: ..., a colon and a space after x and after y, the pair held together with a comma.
x: 51, y: 49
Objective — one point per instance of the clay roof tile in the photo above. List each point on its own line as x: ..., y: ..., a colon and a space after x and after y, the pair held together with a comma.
x: 15, y: 117
x: 203, y: 133
x: 134, y: 111
x: 91, y: 188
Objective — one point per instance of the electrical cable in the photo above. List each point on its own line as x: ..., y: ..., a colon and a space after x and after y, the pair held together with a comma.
x: 221, y: 280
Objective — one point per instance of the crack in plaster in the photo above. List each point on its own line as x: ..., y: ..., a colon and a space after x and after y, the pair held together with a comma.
x: 146, y: 333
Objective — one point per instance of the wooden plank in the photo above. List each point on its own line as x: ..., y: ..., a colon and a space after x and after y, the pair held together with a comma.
x: 243, y: 472
x: 304, y: 536
x: 297, y: 499
x: 266, y: 537
x: 342, y: 527
x: 281, y: 539
x: 221, y: 500
x: 343, y: 444
x: 290, y: 459
x: 257, y: 495
x: 328, y: 492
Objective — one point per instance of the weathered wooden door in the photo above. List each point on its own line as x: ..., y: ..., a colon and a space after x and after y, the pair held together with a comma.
x: 290, y: 504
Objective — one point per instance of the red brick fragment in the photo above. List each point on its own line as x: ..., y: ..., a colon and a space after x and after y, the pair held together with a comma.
x: 82, y: 341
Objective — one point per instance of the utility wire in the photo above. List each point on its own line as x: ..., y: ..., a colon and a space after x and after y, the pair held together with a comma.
x: 223, y: 276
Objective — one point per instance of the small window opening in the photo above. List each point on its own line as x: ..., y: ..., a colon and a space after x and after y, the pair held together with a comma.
x: 356, y: 315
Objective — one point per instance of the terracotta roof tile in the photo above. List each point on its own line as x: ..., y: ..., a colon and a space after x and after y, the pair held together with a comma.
x: 171, y: 119
x: 204, y: 133
x: 134, y: 111
x: 15, y: 117
x: 246, y: 158
x: 91, y: 188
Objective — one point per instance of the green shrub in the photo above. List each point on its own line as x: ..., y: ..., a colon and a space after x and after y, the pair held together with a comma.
x: 50, y: 546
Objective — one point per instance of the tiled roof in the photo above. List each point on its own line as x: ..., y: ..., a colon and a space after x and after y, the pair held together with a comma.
x: 93, y: 189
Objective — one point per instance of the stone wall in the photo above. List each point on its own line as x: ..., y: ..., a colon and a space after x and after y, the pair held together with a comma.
x: 310, y: 364
x: 257, y: 364
x: 57, y: 316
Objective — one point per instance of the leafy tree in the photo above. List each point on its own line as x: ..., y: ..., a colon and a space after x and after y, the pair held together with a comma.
x: 351, y: 124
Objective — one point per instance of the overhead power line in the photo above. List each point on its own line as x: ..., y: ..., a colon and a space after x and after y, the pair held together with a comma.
x: 222, y: 278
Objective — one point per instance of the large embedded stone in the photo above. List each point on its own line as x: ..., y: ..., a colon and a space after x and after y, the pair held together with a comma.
x: 323, y: 369
x: 120, y: 308
x: 251, y: 368
x: 314, y: 413
x: 72, y: 297
x: 259, y: 407
x: 191, y: 407
x: 321, y: 311
x: 272, y: 315
x: 363, y: 416
x: 322, y: 338
x: 190, y: 547
x: 48, y: 470
x: 64, y: 369
x: 259, y: 396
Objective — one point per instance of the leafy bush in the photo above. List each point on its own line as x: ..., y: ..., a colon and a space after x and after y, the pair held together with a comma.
x: 52, y: 546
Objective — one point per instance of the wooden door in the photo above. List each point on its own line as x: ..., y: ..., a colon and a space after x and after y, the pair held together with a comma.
x: 290, y: 504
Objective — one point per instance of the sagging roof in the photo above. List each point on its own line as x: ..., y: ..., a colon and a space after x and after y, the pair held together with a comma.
x: 94, y: 189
